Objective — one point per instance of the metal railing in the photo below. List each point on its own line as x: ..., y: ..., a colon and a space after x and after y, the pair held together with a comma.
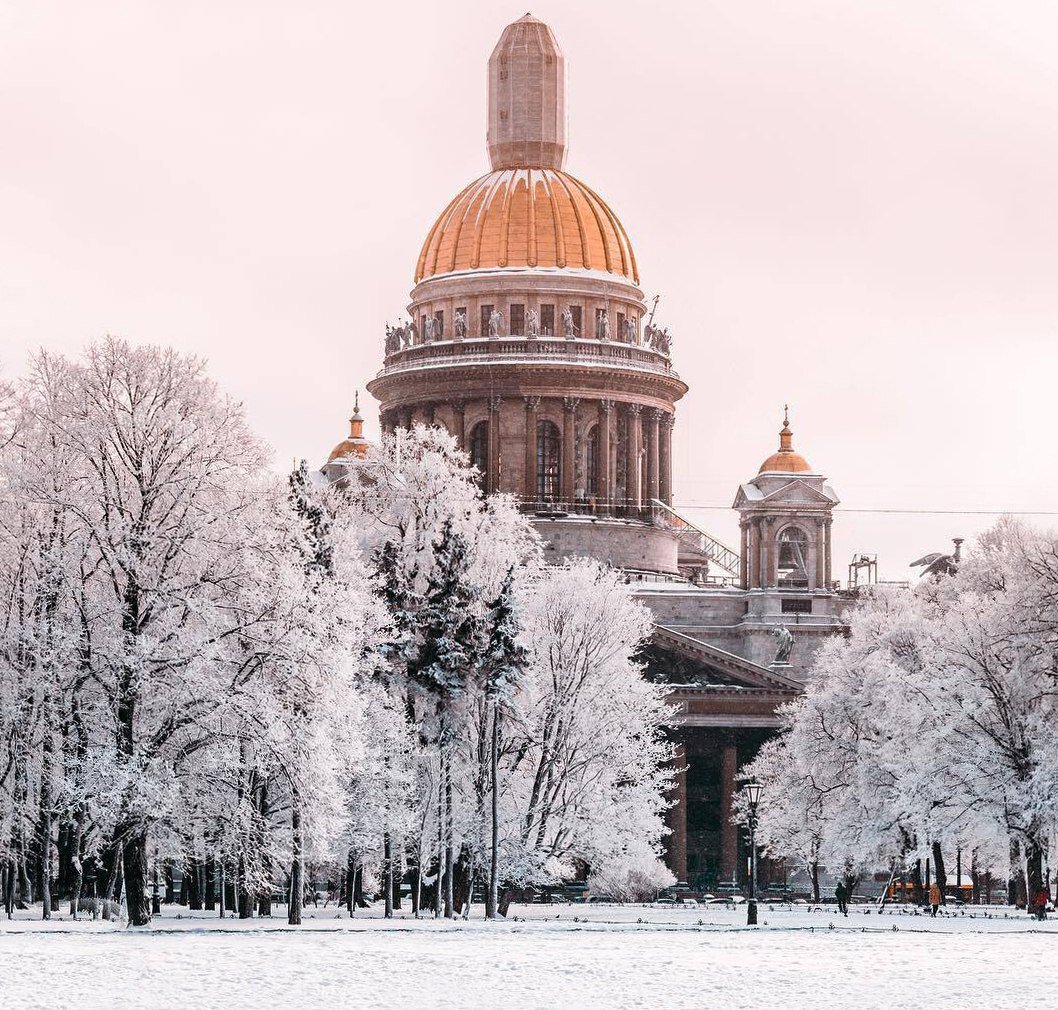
x: 697, y: 540
x: 478, y: 350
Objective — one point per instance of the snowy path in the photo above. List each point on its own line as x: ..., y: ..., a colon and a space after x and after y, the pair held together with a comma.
x: 669, y: 962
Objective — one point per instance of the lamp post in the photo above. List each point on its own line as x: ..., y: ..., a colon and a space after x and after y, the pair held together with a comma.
x: 753, y: 790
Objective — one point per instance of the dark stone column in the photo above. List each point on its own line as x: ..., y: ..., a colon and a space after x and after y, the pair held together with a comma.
x: 676, y: 818
x: 459, y: 423
x: 827, y: 558
x: 605, y: 478
x: 633, y: 485
x: 728, y: 831
x: 770, y: 560
x: 653, y: 453
x: 744, y: 528
x: 569, y: 449
x: 532, y: 404
x: 494, y: 444
x: 665, y: 488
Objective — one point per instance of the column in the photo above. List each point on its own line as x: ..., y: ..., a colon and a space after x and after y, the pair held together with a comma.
x: 459, y: 422
x: 818, y: 577
x: 494, y: 443
x: 754, y: 553
x: 532, y: 405
x: 569, y: 449
x: 406, y: 415
x: 653, y: 448
x: 665, y: 488
x: 676, y: 818
x: 728, y: 831
x: 826, y: 554
x: 770, y: 567
x: 743, y: 560
x: 633, y: 485
x: 605, y: 479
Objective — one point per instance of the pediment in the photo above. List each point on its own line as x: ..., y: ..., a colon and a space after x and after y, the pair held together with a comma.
x: 696, y: 663
x: 800, y: 492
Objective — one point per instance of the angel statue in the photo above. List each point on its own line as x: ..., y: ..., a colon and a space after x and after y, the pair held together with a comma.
x: 604, y: 325
x: 431, y: 328
x: 567, y: 323
x: 784, y: 646
x: 532, y: 324
x: 459, y: 324
x: 630, y: 330
x: 936, y: 565
x: 410, y: 334
x: 392, y: 338
x: 495, y: 323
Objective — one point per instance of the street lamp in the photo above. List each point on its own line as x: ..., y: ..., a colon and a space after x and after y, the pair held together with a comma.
x: 753, y: 791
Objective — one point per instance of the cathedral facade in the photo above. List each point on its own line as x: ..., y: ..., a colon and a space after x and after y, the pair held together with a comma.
x: 529, y: 339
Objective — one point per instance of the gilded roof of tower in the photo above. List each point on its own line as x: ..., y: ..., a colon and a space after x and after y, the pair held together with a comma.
x: 785, y: 460
x: 527, y: 217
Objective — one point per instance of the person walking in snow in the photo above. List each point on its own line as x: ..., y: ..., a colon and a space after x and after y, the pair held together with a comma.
x: 1039, y: 903
x: 935, y: 898
x: 841, y: 893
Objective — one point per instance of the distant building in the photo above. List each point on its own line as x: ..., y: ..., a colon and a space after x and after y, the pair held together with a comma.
x: 529, y: 339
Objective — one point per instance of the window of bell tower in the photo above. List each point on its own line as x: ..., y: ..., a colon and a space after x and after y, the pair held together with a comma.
x: 793, y: 558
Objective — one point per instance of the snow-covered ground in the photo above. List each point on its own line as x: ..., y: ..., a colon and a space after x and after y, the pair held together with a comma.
x: 541, y: 957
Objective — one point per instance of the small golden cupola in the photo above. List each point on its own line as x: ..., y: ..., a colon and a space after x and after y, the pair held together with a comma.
x: 355, y: 445
x: 785, y: 460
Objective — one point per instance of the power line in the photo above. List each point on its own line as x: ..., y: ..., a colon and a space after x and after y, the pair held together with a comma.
x: 895, y: 511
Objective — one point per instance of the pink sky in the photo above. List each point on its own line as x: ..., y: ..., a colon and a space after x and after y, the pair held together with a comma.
x: 852, y: 207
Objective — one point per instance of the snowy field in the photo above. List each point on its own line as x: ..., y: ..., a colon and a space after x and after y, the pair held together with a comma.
x: 674, y: 958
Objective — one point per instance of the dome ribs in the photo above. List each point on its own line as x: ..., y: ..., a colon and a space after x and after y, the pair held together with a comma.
x: 585, y: 252
x: 529, y: 216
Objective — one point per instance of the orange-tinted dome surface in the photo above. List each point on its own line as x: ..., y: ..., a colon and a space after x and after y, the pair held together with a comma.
x: 785, y: 460
x: 527, y: 217
x: 355, y: 444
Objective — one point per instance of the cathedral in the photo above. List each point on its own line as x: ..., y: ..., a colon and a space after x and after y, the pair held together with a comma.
x: 529, y: 339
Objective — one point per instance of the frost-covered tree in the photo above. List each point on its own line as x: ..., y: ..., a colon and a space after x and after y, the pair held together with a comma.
x: 930, y: 725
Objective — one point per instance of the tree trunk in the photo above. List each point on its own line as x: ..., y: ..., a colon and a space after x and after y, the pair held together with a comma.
x: 813, y: 870
x: 450, y: 910
x: 439, y: 902
x: 506, y: 897
x: 222, y: 888
x: 134, y: 866
x: 397, y: 876
x: 1016, y: 886
x: 193, y: 875
x: 76, y: 862
x: 210, y: 881
x: 350, y: 882
x: 245, y: 898
x: 387, y: 875
x: 916, y: 883
x: 297, y: 866
x: 492, y: 898
x: 939, y: 872
x: 1033, y: 871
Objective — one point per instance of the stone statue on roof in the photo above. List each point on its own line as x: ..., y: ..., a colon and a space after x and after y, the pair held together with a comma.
x: 495, y: 323
x: 784, y: 645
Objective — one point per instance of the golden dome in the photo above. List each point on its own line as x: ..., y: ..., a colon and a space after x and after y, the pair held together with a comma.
x: 527, y: 217
x: 785, y: 460
x: 355, y: 444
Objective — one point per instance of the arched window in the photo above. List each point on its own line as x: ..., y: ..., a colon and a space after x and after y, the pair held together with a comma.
x: 548, y: 465
x: 479, y: 448
x: 592, y: 461
x: 793, y: 558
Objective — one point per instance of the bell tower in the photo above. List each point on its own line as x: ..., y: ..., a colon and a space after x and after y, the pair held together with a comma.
x: 785, y: 516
